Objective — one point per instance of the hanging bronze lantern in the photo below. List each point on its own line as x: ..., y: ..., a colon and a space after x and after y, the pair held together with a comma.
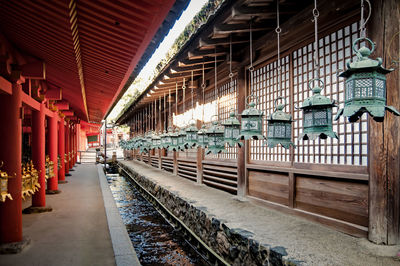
x: 202, y: 138
x: 191, y: 135
x: 146, y: 143
x: 365, y: 90
x: 252, y: 122
x: 174, y: 135
x: 317, y: 115
x: 216, y: 141
x: 155, y: 141
x: 279, y: 130
x: 182, y: 139
x: 168, y: 139
x: 232, y: 130
x: 163, y: 137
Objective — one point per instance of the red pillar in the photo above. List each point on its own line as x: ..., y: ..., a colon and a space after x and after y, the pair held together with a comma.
x: 67, y: 150
x: 10, y: 154
x: 61, y: 149
x: 52, y: 183
x: 39, y: 155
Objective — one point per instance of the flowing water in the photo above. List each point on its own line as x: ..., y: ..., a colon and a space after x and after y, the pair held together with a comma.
x: 155, y: 241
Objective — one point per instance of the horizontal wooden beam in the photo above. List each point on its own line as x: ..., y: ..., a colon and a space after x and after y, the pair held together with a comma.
x: 5, y: 86
x: 29, y: 101
x: 238, y: 28
x: 201, y: 61
x: 34, y: 70
x: 62, y: 105
x: 208, y: 52
x: 222, y: 41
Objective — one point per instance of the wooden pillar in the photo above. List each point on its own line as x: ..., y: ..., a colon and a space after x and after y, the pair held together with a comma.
x: 67, y: 150
x: 384, y: 138
x: 52, y: 183
x: 39, y: 155
x: 242, y: 152
x: 61, y: 150
x: 11, y: 155
x: 199, y: 159
x: 175, y: 160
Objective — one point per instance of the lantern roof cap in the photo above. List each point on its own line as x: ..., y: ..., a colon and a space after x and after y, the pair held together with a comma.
x: 280, y: 115
x: 317, y: 99
x: 231, y: 120
x: 192, y: 128
x: 202, y: 130
x: 215, y: 128
x: 363, y: 63
x: 252, y: 111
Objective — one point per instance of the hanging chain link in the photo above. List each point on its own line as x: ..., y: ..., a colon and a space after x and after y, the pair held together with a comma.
x: 192, y: 85
x: 278, y: 31
x: 203, y: 87
x: 165, y: 114
x: 183, y: 97
x: 169, y: 107
x: 316, y: 54
x: 362, y: 21
x: 230, y: 64
x: 216, y: 83
x: 251, y: 68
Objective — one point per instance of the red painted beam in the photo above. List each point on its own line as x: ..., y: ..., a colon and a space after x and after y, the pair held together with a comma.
x: 53, y: 92
x: 29, y: 101
x: 68, y: 113
x: 5, y: 86
x: 35, y: 70
x: 62, y: 105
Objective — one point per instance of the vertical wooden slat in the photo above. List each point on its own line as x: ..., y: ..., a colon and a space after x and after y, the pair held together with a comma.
x: 391, y: 16
x: 241, y: 154
x: 175, y: 160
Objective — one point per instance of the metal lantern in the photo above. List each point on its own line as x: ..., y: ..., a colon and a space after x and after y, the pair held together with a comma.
x: 155, y: 141
x: 182, y: 139
x: 174, y: 135
x: 365, y: 89
x: 4, y: 185
x: 167, y: 138
x: 232, y: 130
x: 191, y: 135
x: 202, y: 138
x: 317, y: 115
x: 163, y: 137
x: 279, y: 130
x: 252, y: 122
x: 146, y: 142
x: 216, y: 141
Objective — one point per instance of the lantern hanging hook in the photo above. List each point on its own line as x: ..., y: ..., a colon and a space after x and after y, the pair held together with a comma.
x: 192, y: 92
x: 357, y: 51
x: 362, y: 21
x: 276, y: 102
x: 278, y: 31
x: 316, y: 55
x: 251, y: 67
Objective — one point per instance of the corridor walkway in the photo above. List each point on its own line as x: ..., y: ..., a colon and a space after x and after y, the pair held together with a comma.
x: 75, y: 232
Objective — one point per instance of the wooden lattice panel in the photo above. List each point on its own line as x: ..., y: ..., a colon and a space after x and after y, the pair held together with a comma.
x: 297, y: 71
x: 227, y: 93
x: 265, y: 88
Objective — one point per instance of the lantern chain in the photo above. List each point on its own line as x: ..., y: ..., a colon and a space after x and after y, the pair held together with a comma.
x: 251, y: 68
x: 165, y: 114
x: 278, y: 31
x: 203, y: 86
x: 216, y: 83
x: 230, y: 63
x: 362, y: 21
x: 183, y: 97
x: 192, y: 92
x: 159, y: 112
x: 316, y: 55
x: 169, y: 106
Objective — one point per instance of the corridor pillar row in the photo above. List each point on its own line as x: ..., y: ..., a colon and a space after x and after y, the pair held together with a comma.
x: 61, y: 150
x: 67, y: 150
x: 52, y: 183
x: 39, y: 155
x: 11, y: 155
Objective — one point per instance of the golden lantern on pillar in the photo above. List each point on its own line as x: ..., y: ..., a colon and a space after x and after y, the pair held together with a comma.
x: 4, y: 185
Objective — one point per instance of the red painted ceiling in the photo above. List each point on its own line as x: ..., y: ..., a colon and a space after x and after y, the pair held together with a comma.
x: 100, y: 41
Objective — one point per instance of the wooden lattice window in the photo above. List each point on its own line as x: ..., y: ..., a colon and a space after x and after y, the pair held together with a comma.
x: 227, y: 93
x: 297, y: 71
x: 264, y: 87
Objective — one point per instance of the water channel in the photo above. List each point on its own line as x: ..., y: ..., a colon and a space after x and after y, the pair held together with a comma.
x: 155, y: 241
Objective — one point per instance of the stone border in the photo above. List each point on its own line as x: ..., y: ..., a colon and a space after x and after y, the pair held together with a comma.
x: 123, y: 250
x: 235, y: 245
